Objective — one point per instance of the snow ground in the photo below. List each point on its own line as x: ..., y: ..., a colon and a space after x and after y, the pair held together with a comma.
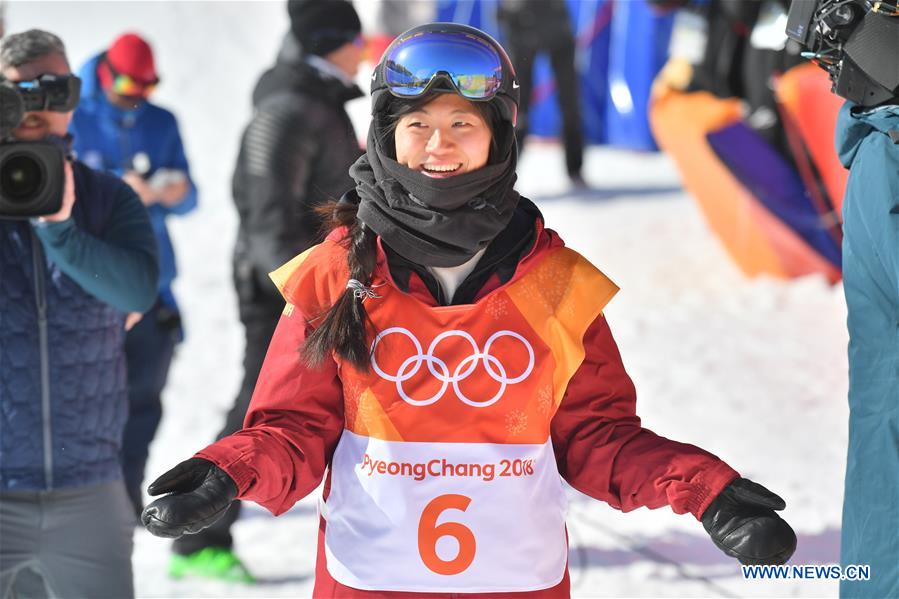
x: 752, y: 370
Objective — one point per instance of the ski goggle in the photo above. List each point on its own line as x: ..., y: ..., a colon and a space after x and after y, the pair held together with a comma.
x: 125, y: 85
x: 471, y: 65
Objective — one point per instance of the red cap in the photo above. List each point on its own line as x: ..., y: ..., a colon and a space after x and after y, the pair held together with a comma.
x: 131, y: 55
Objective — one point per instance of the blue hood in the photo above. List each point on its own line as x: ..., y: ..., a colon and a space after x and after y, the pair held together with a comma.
x: 854, y: 127
x: 90, y: 84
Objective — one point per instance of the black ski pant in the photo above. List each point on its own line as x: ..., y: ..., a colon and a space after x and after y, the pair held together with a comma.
x: 259, y: 318
x: 561, y: 56
x: 149, y: 348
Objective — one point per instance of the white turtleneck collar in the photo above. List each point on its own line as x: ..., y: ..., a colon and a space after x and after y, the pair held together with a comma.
x: 450, y: 277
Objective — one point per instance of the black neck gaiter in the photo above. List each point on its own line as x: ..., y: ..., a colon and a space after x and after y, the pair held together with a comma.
x: 433, y: 222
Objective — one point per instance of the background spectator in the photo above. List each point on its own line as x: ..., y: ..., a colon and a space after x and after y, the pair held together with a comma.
x: 531, y: 27
x: 294, y: 155
x: 118, y: 129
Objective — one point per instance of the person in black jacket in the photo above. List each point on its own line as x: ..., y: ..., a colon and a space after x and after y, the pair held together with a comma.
x: 531, y: 27
x: 294, y: 155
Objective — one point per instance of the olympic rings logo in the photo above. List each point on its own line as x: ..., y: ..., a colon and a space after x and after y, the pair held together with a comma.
x: 440, y: 371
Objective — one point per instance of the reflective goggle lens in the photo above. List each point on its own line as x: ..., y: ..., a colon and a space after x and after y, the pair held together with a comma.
x: 474, y: 67
x: 126, y: 86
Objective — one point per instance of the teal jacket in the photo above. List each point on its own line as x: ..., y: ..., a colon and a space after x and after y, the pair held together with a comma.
x: 868, y: 145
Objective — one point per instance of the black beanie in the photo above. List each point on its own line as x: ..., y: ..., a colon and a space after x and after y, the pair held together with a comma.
x: 322, y: 26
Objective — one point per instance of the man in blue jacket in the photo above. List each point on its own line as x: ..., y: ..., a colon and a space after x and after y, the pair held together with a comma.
x: 68, y: 281
x: 118, y: 130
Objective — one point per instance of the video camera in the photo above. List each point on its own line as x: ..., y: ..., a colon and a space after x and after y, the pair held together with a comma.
x: 32, y: 178
x: 856, y: 41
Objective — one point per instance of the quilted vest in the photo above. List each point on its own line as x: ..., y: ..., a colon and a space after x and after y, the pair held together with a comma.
x: 75, y: 440
x: 446, y: 463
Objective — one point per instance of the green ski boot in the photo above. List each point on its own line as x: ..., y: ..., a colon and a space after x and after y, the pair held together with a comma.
x: 211, y: 562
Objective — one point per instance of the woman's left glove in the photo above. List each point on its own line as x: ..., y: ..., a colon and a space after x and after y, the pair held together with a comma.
x: 200, y: 494
x: 743, y: 524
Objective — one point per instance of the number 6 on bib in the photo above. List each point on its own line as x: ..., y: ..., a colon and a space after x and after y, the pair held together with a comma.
x: 429, y: 532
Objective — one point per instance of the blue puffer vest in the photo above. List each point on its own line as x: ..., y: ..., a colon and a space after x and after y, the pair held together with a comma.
x: 63, y: 399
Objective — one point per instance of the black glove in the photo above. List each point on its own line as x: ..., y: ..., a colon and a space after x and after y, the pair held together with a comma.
x: 200, y: 494
x: 742, y: 523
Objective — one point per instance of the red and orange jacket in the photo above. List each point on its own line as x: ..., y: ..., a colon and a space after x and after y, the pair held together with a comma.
x: 298, y: 414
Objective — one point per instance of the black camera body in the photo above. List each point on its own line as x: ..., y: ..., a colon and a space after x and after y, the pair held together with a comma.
x: 855, y: 41
x: 32, y: 175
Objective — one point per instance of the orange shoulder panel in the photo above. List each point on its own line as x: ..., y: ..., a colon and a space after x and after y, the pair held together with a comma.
x: 560, y: 298
x: 314, y: 279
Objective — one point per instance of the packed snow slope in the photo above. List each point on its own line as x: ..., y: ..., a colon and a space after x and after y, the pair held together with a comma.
x: 752, y: 370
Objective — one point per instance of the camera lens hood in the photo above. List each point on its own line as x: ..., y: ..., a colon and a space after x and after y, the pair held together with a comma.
x: 32, y: 179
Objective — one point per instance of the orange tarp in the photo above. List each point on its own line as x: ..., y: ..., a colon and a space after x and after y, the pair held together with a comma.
x: 756, y: 239
x: 804, y: 91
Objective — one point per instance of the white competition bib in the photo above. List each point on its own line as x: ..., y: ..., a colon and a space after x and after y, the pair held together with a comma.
x: 445, y: 517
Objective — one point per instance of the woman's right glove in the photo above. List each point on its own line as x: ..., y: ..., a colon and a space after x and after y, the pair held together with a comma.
x: 200, y: 494
x: 743, y: 524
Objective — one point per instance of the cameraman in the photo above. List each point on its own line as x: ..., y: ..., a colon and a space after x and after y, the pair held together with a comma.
x: 857, y: 43
x: 69, y: 279
x: 868, y: 143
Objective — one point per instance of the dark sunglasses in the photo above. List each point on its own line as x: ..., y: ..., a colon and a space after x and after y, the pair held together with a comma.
x: 59, y: 93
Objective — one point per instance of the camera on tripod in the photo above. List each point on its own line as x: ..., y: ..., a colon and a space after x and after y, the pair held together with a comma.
x: 32, y: 177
